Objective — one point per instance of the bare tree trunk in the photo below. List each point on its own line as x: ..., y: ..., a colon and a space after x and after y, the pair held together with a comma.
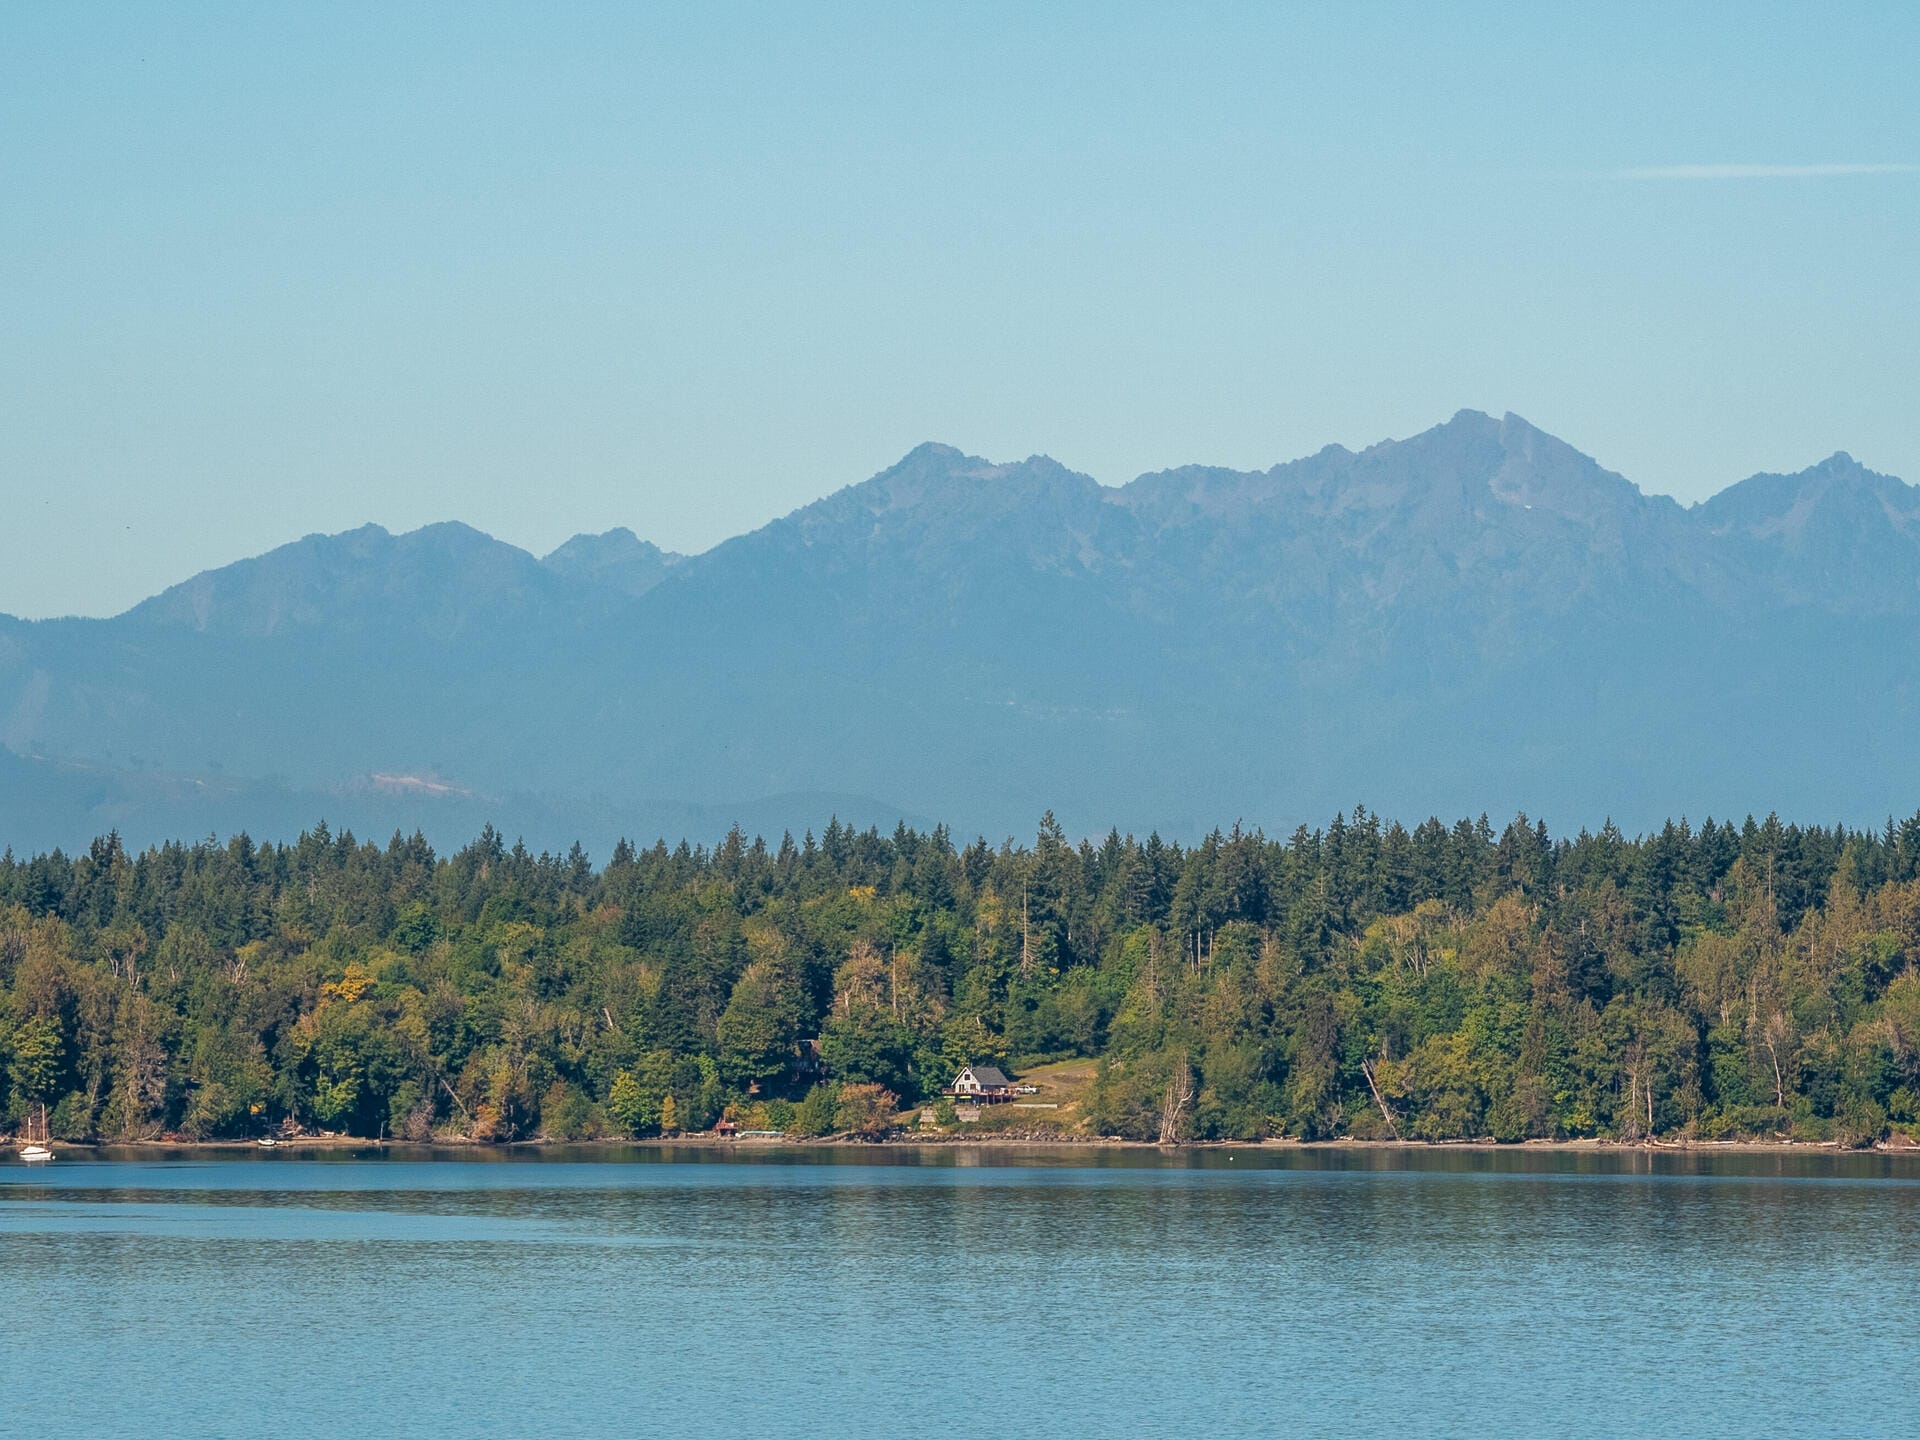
x: 1173, y: 1107
x: 143, y: 1078
x: 1366, y: 1069
x: 455, y: 1095
x: 1026, y: 932
x: 1775, y: 1032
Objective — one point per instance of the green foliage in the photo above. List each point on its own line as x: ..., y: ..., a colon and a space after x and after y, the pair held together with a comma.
x: 333, y: 1099
x: 630, y: 1106
x: 1443, y: 982
x: 870, y: 1048
x: 815, y: 1115
x: 33, y: 1061
x: 763, y: 1023
x: 566, y: 1114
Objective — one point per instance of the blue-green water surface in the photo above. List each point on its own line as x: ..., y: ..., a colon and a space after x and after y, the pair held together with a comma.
x: 961, y: 1292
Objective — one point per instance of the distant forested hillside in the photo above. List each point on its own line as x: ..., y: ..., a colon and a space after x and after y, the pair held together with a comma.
x: 1365, y: 979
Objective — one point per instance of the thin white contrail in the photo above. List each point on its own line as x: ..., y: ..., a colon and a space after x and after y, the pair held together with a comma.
x: 1758, y: 172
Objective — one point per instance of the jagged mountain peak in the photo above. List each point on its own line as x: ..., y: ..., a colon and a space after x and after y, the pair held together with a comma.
x: 617, y: 558
x: 432, y: 576
x: 937, y: 485
x: 1476, y: 472
x: 1456, y: 477
x: 933, y: 460
x: 1839, y: 490
x: 619, y: 537
x: 935, y: 452
x: 960, y: 634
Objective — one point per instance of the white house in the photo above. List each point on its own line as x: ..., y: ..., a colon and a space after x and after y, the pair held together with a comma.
x: 980, y: 1082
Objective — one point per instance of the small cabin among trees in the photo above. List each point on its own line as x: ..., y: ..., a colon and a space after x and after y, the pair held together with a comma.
x: 983, y: 1084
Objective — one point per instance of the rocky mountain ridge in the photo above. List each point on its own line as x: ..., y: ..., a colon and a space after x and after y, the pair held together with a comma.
x: 1477, y: 616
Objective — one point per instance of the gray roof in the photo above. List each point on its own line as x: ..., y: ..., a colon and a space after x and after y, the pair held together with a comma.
x: 989, y: 1075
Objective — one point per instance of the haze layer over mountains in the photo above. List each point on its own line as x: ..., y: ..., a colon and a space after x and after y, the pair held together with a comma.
x: 1476, y: 618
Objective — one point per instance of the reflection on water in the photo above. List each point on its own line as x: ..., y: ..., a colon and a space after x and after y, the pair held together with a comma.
x: 895, y: 1292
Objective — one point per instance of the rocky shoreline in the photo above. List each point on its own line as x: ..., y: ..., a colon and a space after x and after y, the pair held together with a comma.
x: 1022, y: 1142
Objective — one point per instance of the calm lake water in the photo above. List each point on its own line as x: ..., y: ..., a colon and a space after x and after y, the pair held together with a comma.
x: 959, y: 1293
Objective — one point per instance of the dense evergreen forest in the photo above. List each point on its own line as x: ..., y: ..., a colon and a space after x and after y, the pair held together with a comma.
x: 1365, y: 980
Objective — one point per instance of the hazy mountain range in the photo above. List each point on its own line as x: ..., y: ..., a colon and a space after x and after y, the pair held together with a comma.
x: 1479, y: 617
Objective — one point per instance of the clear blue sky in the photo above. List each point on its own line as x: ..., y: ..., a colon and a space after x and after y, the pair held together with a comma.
x: 270, y: 269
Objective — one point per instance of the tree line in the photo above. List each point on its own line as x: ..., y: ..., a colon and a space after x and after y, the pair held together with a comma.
x: 1363, y: 979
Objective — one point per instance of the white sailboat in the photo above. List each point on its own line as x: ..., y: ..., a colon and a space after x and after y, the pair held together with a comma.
x: 36, y: 1150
